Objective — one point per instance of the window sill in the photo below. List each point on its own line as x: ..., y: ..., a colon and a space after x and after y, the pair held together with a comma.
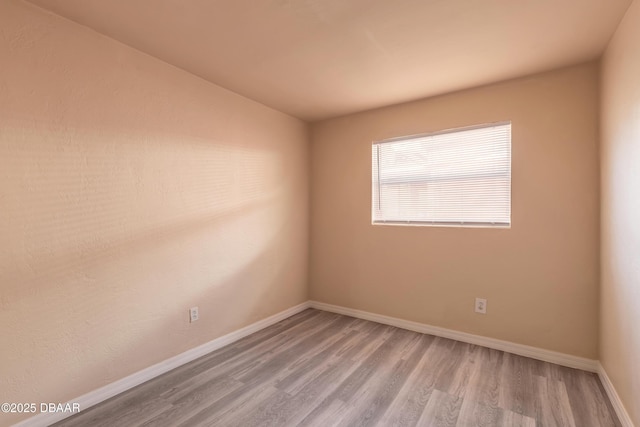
x: 442, y: 224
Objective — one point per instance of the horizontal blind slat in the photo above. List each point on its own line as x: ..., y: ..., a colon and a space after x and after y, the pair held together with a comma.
x: 454, y: 177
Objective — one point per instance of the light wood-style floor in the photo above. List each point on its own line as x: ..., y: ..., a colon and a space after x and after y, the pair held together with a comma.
x: 323, y: 369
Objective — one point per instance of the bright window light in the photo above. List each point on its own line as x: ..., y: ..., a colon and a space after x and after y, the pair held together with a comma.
x: 455, y: 177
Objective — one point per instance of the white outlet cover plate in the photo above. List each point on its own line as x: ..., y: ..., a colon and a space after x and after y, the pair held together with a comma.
x: 193, y: 314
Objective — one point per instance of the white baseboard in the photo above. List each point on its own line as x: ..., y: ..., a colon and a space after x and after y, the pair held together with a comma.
x: 510, y: 347
x: 621, y: 411
x: 103, y: 393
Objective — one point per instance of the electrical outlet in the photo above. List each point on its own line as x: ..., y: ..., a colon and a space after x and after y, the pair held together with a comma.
x: 481, y: 305
x: 193, y: 314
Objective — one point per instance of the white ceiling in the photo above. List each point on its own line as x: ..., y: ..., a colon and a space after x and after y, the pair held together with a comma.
x: 322, y: 58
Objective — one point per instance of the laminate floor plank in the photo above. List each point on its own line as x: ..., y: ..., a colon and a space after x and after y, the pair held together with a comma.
x: 323, y: 369
x: 587, y: 400
x: 294, y: 350
x: 352, y: 386
x: 193, y: 402
x: 297, y: 379
x: 555, y: 409
x: 411, y: 399
x: 513, y: 419
x: 311, y: 399
x: 249, y: 412
x: 442, y: 410
x: 518, y: 384
x: 469, y: 360
x: 485, y: 382
x: 476, y: 414
x: 331, y: 415
x: 381, y: 389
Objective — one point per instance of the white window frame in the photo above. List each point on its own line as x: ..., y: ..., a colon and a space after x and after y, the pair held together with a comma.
x: 401, y: 222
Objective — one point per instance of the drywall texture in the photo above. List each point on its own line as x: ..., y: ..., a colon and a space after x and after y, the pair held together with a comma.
x: 540, y: 277
x: 129, y: 192
x: 620, y: 175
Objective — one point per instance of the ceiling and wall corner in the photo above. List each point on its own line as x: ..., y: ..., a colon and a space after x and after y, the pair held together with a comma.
x: 318, y: 59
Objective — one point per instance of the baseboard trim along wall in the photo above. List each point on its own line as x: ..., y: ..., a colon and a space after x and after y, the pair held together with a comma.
x: 94, y: 397
x: 103, y: 393
x: 510, y: 347
x: 621, y: 411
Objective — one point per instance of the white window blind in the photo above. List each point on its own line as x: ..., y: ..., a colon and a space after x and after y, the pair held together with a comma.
x: 460, y: 176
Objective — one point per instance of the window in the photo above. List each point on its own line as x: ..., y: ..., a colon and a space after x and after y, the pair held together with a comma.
x: 454, y: 177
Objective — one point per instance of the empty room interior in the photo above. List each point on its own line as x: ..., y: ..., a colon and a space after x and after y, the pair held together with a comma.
x: 320, y: 213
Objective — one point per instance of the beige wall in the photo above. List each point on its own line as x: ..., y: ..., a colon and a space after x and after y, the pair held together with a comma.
x: 620, y: 172
x: 540, y: 276
x: 130, y: 191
